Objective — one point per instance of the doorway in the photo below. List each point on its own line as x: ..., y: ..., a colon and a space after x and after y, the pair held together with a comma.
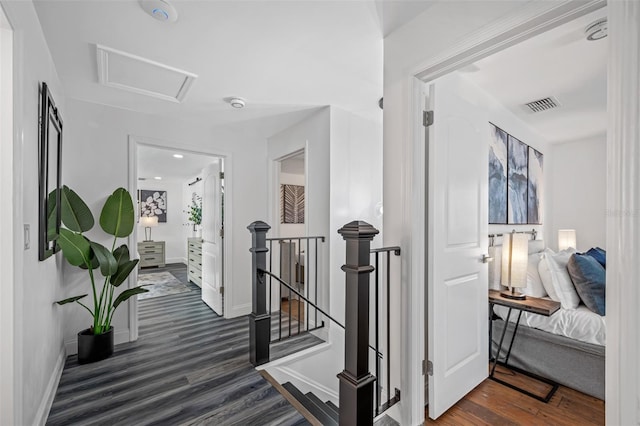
x: 9, y: 376
x: 292, y: 205
x: 423, y: 160
x: 180, y: 235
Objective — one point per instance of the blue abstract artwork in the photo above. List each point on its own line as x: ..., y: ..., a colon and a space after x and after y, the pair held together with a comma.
x: 535, y: 189
x: 497, y: 176
x: 517, y: 177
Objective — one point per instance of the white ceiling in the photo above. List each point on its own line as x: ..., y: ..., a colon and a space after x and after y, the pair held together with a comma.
x: 285, y: 58
x: 158, y: 162
x: 559, y: 63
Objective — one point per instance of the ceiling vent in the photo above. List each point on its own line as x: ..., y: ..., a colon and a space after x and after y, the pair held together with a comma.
x: 139, y: 75
x: 543, y: 104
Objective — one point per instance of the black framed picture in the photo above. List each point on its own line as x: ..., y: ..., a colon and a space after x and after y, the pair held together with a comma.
x: 49, y: 173
x: 497, y: 176
x: 535, y: 187
x: 153, y: 203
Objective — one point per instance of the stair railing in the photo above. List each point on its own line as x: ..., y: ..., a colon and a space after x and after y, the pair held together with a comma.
x: 297, y: 272
x: 356, y: 389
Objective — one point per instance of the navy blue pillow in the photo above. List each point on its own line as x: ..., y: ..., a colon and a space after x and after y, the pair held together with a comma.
x: 588, y: 277
x: 598, y: 254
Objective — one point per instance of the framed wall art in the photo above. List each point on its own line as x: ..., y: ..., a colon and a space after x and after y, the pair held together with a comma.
x: 153, y: 203
x: 292, y: 204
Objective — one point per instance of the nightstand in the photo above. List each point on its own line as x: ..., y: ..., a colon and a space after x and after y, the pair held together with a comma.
x: 535, y: 305
x: 151, y: 254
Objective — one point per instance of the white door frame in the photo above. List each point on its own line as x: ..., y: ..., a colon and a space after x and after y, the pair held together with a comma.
x: 135, y: 141
x: 274, y: 194
x: 532, y: 18
x: 10, y: 223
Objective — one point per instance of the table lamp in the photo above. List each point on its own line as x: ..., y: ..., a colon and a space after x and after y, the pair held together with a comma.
x: 515, y: 256
x: 148, y: 222
x: 566, y: 238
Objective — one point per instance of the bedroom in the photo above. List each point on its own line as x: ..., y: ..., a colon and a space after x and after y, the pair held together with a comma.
x: 562, y: 65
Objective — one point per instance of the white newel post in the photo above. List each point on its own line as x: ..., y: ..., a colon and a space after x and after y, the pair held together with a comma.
x: 623, y: 215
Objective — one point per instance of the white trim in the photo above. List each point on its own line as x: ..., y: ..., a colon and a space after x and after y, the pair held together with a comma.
x: 10, y: 374
x: 50, y: 392
x: 103, y: 54
x: 622, y: 372
x: 305, y: 353
x: 531, y: 19
x: 175, y: 260
x: 236, y: 311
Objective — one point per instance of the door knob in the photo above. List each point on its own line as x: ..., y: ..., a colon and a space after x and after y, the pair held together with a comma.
x: 486, y: 258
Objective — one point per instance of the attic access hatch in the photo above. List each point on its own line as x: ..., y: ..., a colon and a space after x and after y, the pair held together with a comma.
x: 139, y: 75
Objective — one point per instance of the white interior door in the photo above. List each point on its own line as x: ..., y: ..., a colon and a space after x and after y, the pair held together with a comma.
x: 212, y: 283
x: 457, y: 238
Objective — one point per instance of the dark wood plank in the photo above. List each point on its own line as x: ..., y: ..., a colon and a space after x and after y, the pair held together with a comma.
x: 189, y: 366
x: 536, y: 305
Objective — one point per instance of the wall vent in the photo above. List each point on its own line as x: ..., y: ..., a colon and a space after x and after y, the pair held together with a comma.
x: 543, y: 104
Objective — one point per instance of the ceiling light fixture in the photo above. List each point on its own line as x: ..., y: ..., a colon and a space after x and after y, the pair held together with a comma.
x: 237, y: 102
x: 597, y: 30
x: 178, y: 156
x: 161, y: 10
x: 158, y: 178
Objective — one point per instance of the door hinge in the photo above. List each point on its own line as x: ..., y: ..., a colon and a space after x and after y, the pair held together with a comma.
x: 427, y: 118
x: 222, y: 291
x: 221, y: 175
x: 221, y: 232
x: 427, y: 367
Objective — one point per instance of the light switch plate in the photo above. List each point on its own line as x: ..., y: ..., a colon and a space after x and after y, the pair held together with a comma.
x: 27, y: 236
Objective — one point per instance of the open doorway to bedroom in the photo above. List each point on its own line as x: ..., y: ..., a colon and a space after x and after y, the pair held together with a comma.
x: 290, y: 223
x: 545, y: 98
x: 181, y: 225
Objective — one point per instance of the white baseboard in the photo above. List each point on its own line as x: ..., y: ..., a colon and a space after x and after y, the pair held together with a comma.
x: 175, y: 260
x: 239, y: 311
x: 121, y: 336
x: 50, y: 392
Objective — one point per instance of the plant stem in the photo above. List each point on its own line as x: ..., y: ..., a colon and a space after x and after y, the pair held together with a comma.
x: 95, y: 296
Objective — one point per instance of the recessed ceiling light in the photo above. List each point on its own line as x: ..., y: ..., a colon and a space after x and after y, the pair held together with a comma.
x: 178, y: 156
x: 161, y: 10
x: 158, y: 178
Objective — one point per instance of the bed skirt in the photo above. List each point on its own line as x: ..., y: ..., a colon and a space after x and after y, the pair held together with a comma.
x: 569, y: 362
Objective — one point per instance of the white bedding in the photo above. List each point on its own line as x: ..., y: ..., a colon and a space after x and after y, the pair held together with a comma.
x: 578, y: 324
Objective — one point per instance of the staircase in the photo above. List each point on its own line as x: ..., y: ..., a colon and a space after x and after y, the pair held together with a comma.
x: 318, y: 412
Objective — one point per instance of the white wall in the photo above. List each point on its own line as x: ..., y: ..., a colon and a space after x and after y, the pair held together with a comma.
x: 96, y: 158
x: 37, y: 344
x: 171, y: 231
x: 576, y: 191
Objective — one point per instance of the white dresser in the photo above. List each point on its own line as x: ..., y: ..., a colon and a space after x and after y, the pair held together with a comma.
x: 194, y: 257
x: 151, y: 253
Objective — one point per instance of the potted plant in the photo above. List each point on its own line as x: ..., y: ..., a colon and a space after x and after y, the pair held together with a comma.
x: 195, y: 211
x: 117, y: 219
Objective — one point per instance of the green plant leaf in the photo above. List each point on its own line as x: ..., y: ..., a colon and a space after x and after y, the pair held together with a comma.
x: 121, y: 254
x: 75, y: 247
x: 123, y: 272
x: 127, y: 294
x: 118, y: 217
x: 75, y: 213
x: 70, y: 300
x: 93, y: 261
x: 108, y: 263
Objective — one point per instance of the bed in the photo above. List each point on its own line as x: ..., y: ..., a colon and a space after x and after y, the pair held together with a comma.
x: 567, y: 347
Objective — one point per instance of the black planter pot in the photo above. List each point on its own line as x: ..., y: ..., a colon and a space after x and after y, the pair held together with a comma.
x: 94, y: 347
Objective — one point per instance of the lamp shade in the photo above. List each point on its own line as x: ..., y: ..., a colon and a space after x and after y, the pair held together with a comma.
x: 515, y: 256
x: 566, y: 238
x: 148, y: 221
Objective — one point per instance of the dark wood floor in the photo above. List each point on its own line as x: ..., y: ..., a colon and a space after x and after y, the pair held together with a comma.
x: 188, y: 367
x: 491, y: 403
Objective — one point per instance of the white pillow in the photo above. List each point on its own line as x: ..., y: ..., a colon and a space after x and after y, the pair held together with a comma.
x: 534, y: 287
x: 555, y: 277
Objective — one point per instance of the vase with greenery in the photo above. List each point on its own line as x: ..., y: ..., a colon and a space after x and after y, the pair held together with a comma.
x: 114, y: 264
x: 195, y: 210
